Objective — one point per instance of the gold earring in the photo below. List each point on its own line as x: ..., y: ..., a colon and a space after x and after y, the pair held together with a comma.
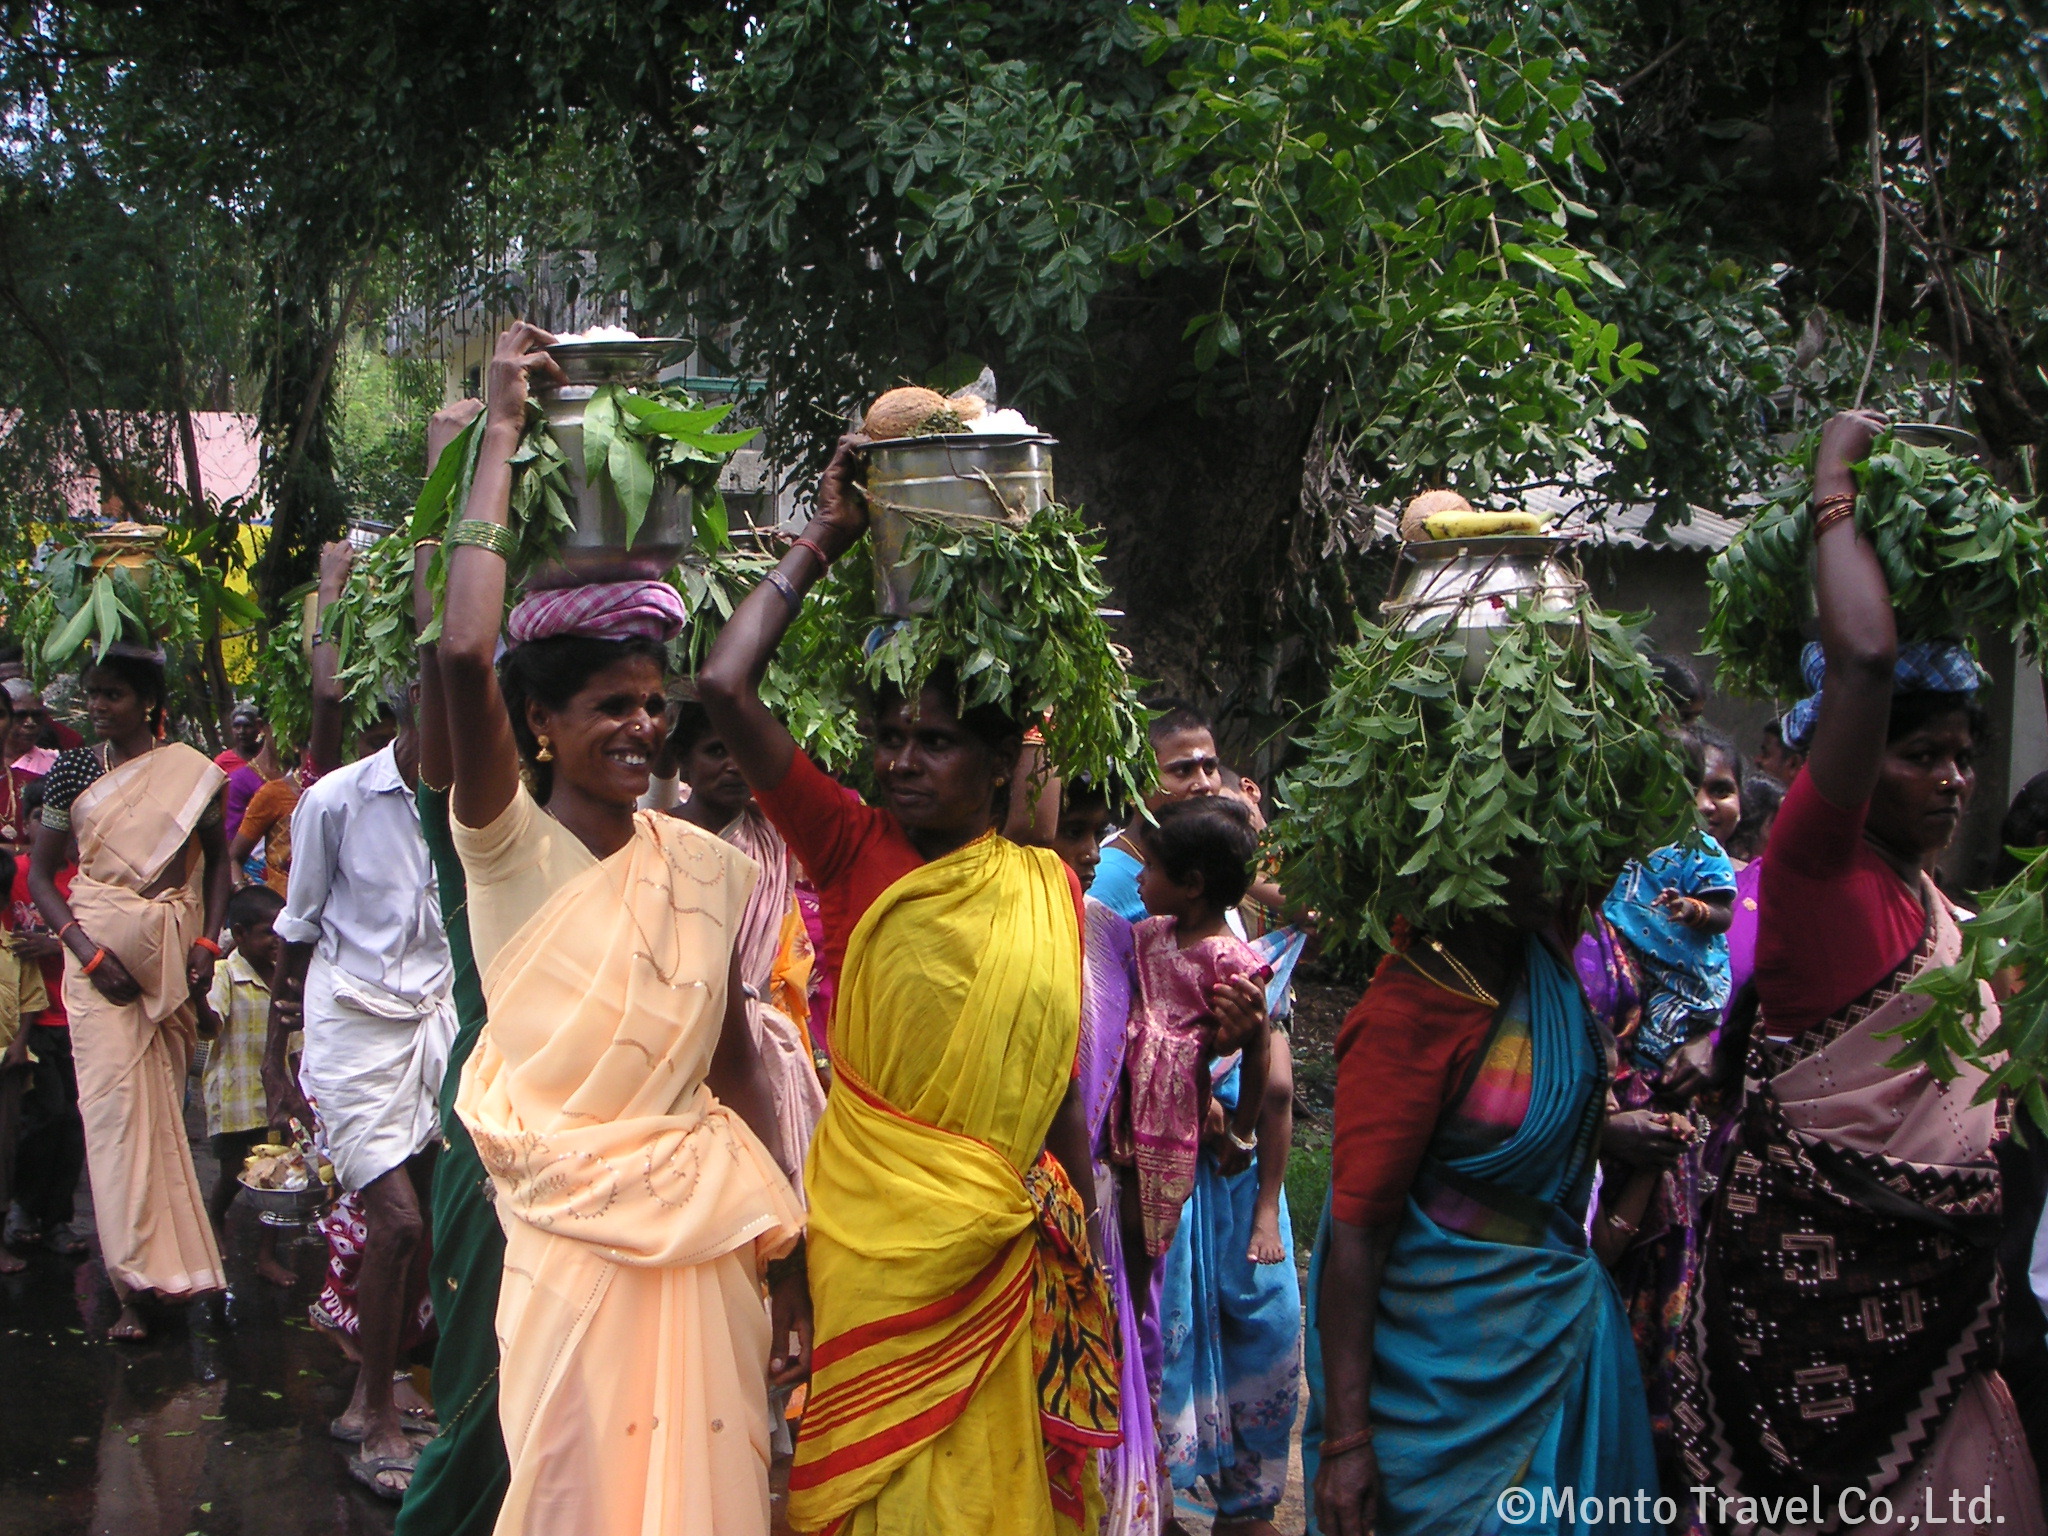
x: 546, y: 754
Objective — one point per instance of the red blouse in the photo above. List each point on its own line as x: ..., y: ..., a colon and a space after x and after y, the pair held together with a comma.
x: 1833, y: 918
x: 1402, y: 1055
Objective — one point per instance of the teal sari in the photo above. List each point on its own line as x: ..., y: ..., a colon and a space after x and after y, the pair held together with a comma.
x: 1501, y: 1356
x: 460, y: 1480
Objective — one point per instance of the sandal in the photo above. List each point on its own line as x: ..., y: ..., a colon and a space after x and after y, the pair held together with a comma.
x: 367, y: 1470
x: 66, y: 1244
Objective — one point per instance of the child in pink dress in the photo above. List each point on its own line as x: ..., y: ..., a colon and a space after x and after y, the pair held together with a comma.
x: 1199, y: 864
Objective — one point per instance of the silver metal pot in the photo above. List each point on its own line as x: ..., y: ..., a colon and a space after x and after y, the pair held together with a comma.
x: 1471, y: 587
x: 596, y: 549
x: 960, y: 476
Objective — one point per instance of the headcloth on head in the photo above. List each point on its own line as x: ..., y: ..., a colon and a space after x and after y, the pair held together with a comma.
x: 618, y: 610
x: 1924, y: 666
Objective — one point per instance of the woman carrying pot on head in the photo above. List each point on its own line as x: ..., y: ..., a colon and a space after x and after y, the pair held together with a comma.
x: 150, y: 894
x: 1843, y: 1329
x: 965, y: 1366
x: 614, y: 1095
x: 1472, y: 1348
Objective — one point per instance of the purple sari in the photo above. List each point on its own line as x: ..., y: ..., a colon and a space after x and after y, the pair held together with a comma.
x: 1108, y: 979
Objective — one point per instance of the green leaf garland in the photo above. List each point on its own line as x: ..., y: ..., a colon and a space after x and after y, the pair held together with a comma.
x: 1958, y: 553
x: 1417, y: 787
x: 2010, y: 930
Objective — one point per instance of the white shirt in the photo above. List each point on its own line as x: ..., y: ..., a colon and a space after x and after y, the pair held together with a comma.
x: 362, y: 883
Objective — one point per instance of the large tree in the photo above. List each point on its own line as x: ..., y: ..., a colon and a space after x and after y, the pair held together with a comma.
x: 1233, y: 255
x: 1618, y: 245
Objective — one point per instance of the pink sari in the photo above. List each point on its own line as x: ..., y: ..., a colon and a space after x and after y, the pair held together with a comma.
x: 784, y: 1046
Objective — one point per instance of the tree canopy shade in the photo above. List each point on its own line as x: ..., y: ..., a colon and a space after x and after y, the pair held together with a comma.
x: 1619, y: 244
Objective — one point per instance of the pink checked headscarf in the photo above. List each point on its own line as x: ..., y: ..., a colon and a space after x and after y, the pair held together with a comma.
x: 616, y: 610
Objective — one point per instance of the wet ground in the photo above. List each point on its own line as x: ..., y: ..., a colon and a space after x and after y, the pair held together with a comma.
x: 218, y: 1425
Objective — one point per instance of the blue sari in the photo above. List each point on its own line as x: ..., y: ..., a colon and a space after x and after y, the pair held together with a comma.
x: 1501, y: 1356
x: 1231, y: 1382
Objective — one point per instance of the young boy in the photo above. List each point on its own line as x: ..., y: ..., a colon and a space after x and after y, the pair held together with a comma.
x: 22, y: 999
x: 236, y: 1017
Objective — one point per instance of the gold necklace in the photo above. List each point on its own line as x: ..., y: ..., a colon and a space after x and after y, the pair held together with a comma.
x: 1476, y: 992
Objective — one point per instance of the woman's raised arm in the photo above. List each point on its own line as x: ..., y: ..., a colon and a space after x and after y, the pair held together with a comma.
x: 486, y: 760
x: 1858, y: 634
x: 729, y: 682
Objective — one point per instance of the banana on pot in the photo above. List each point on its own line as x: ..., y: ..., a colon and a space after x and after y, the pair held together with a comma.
x: 1447, y: 515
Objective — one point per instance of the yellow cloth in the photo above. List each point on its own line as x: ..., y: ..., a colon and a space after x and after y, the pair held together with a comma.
x: 22, y: 995
x: 953, y: 1043
x: 135, y: 829
x: 637, y: 1209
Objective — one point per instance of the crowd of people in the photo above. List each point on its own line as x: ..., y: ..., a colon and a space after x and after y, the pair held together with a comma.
x: 702, y: 1111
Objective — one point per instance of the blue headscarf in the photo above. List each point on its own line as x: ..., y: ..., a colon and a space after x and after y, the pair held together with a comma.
x: 1925, y: 666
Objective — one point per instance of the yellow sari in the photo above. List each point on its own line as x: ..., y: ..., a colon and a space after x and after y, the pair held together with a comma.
x: 638, y: 1211
x: 964, y: 1363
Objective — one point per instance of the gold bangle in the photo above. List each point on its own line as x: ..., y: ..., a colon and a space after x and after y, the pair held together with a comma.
x: 495, y: 537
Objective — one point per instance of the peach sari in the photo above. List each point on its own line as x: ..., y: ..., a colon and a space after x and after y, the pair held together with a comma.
x: 135, y: 828
x: 637, y: 1210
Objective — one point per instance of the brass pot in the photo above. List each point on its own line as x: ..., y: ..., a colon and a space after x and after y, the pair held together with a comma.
x: 958, y: 476
x: 1470, y: 588
x: 130, y: 547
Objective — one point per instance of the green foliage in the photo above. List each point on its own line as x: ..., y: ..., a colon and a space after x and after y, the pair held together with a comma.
x: 813, y: 683
x: 284, y: 679
x: 2010, y: 929
x: 630, y: 438
x: 1012, y: 609
x: 1417, y: 788
x: 1958, y: 553
x: 1384, y: 197
x: 370, y: 624
x: 70, y: 605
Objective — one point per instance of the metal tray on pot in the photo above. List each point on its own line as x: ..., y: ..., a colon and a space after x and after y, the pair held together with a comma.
x: 995, y: 475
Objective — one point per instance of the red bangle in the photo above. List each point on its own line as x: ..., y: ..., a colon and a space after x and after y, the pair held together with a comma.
x: 94, y: 963
x: 203, y: 942
x: 807, y: 542
x: 1346, y: 1443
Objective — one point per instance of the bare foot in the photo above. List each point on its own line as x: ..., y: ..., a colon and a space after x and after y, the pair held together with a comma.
x: 10, y: 1265
x: 276, y: 1273
x: 129, y: 1328
x: 1266, y: 1248
x: 342, y: 1341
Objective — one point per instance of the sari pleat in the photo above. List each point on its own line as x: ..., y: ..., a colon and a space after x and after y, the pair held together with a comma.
x: 1844, y: 1329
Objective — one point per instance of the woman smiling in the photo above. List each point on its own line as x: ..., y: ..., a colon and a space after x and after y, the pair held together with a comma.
x: 614, y: 1094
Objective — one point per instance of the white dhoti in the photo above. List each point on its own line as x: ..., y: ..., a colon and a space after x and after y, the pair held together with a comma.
x: 372, y: 1068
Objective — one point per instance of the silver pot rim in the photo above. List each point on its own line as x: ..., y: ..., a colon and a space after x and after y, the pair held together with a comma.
x: 963, y: 440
